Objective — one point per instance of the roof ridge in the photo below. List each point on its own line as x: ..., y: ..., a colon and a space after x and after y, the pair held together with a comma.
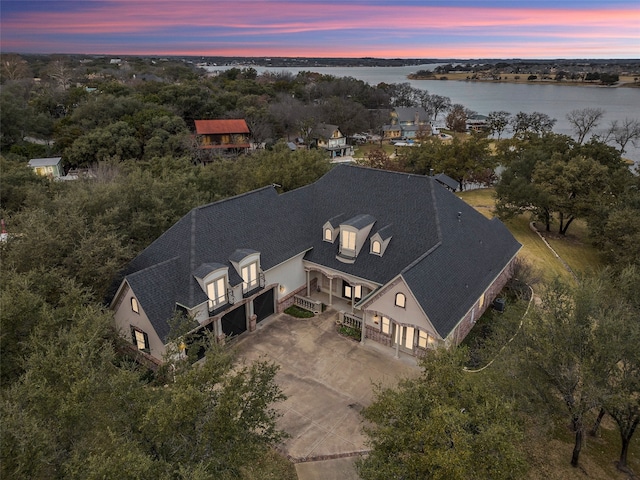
x: 192, y: 253
x: 151, y: 267
x: 244, y: 194
x: 438, y: 230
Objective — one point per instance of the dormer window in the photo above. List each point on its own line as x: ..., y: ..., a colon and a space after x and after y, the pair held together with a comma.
x: 353, y: 235
x: 348, y: 243
x: 217, y: 292
x: 213, y: 279
x: 328, y: 235
x: 401, y: 300
x: 380, y: 241
x: 247, y: 264
x: 250, y: 276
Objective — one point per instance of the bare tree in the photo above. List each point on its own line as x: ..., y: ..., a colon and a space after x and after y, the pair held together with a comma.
x: 439, y: 103
x: 14, y: 67
x: 59, y: 71
x: 584, y: 120
x: 498, y: 122
x: 623, y: 133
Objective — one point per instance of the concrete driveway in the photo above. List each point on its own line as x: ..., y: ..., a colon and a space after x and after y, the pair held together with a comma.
x: 328, y: 379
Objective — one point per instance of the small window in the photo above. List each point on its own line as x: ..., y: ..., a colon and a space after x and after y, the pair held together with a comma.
x: 328, y: 235
x: 376, y: 247
x: 140, y: 339
x: 481, y: 302
x: 423, y: 339
x: 386, y: 326
x: 134, y: 305
x: 401, y: 300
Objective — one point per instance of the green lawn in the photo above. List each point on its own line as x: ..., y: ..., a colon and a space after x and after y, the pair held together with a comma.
x: 574, y: 249
x: 362, y: 150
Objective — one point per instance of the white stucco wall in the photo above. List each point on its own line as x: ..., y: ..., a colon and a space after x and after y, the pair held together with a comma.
x: 125, y: 317
x: 411, y: 314
x: 289, y: 274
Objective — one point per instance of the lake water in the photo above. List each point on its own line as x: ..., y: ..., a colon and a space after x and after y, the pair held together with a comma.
x: 553, y: 100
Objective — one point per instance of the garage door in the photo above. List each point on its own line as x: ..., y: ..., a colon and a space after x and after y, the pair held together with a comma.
x: 234, y: 322
x: 263, y: 305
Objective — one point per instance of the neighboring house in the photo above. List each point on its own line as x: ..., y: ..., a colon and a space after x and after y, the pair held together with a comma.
x: 396, y: 252
x: 223, y: 134
x: 477, y: 123
x: 331, y: 139
x: 408, y: 123
x: 47, y: 167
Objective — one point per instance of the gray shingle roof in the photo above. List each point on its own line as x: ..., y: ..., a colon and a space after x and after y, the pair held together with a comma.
x: 465, y: 256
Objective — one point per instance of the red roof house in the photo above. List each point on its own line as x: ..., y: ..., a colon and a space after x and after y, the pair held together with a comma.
x: 227, y: 134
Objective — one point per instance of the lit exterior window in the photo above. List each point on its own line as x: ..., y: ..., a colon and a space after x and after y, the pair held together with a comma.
x: 250, y: 276
x: 217, y: 292
x: 386, y: 326
x: 134, y: 305
x: 376, y: 247
x: 401, y: 300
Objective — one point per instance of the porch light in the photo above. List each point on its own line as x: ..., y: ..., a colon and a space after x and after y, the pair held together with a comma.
x: 282, y: 289
x: 376, y: 319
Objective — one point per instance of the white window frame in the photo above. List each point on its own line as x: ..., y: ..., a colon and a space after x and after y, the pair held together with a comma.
x: 385, y: 326
x: 376, y: 247
x: 348, y: 241
x: 401, y: 300
x: 423, y: 339
x: 250, y: 276
x: 217, y: 291
x: 135, y: 306
x: 328, y: 235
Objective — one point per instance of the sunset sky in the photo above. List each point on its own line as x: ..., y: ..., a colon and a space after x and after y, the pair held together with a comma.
x: 328, y: 28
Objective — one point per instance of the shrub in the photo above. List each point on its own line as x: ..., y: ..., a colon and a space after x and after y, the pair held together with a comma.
x: 298, y: 312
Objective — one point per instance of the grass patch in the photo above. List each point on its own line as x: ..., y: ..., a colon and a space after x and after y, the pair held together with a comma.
x: 361, y: 151
x: 298, y: 312
x: 573, y: 248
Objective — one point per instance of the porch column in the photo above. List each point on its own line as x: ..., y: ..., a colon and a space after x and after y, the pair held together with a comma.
x: 364, y: 323
x: 397, y: 334
x: 308, y: 283
x: 330, y: 291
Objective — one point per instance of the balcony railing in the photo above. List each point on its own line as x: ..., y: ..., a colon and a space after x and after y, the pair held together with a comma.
x: 309, y: 304
x: 350, y: 320
x: 249, y: 288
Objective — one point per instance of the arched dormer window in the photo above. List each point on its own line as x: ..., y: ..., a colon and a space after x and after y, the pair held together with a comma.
x: 134, y: 305
x: 376, y: 247
x: 401, y: 300
x: 328, y: 235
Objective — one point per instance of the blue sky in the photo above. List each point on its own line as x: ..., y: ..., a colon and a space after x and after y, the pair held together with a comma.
x: 348, y: 28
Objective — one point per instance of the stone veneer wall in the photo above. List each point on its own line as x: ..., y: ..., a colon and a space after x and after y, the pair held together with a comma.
x: 286, y: 301
x: 377, y: 336
x: 465, y: 326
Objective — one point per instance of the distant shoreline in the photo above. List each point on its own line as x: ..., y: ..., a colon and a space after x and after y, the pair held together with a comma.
x: 522, y: 79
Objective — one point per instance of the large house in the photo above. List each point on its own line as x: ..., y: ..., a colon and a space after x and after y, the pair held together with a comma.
x: 223, y: 134
x: 398, y: 254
